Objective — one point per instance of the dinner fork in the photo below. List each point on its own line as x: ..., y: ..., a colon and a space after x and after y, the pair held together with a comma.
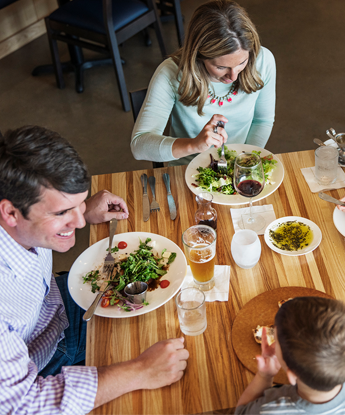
x: 91, y: 310
x: 154, y: 203
x: 222, y: 163
x: 109, y: 261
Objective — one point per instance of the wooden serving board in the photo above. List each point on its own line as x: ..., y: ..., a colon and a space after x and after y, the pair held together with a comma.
x: 262, y: 310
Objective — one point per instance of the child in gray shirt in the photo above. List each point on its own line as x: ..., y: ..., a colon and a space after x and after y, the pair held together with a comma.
x: 310, y: 347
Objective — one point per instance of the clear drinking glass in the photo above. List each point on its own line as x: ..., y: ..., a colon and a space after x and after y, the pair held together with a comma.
x: 191, y: 311
x: 326, y: 165
x: 249, y: 181
x: 246, y: 248
x: 199, y: 242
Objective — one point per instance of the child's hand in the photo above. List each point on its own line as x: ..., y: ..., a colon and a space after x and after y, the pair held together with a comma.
x: 268, y: 364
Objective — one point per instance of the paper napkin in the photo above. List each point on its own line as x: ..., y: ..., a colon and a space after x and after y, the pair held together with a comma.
x: 314, y: 186
x: 266, y: 211
x: 220, y: 292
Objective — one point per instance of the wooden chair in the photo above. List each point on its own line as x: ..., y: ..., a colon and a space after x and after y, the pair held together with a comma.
x: 99, y: 25
x: 137, y: 99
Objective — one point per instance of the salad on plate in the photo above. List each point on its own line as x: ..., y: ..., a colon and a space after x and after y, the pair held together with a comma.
x: 209, y: 179
x: 144, y: 264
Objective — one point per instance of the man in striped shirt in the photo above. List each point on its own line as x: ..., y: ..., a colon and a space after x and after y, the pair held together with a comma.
x: 310, y: 347
x: 43, y: 189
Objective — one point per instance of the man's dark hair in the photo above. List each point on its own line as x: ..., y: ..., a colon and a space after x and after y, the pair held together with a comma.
x: 32, y: 157
x: 311, y: 334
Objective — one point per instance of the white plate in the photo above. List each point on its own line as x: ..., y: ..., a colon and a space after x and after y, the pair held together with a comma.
x: 339, y: 220
x: 94, y: 256
x: 203, y: 160
x: 314, y: 244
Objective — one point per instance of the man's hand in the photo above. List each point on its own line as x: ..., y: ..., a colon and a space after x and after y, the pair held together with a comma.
x: 268, y: 364
x: 104, y: 206
x: 162, y: 364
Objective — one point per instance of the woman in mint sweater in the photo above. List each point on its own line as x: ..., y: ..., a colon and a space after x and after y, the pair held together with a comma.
x: 222, y: 73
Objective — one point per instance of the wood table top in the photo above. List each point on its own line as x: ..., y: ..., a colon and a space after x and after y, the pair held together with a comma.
x: 214, y: 378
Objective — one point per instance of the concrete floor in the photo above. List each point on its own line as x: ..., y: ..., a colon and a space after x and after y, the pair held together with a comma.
x: 306, y: 38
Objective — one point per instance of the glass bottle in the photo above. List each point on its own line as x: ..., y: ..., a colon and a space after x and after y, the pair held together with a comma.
x: 206, y: 214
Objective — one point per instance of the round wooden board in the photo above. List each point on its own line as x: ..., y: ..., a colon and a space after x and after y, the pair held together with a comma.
x: 262, y: 310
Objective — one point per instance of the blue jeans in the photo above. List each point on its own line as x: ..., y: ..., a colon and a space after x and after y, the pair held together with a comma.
x: 71, y: 349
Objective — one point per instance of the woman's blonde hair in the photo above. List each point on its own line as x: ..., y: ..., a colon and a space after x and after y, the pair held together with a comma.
x: 217, y: 28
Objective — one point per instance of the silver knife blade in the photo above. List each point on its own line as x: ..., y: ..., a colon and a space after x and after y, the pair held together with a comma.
x: 331, y: 199
x: 146, y: 202
x: 171, y: 201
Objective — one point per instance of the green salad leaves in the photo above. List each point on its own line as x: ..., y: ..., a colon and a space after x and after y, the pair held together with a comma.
x: 140, y: 265
x: 212, y: 181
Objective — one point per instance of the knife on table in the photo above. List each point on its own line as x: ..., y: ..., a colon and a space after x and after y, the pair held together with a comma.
x: 331, y: 199
x: 171, y: 202
x: 146, y: 202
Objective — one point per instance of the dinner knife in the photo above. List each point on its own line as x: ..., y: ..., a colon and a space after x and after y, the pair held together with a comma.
x: 146, y: 202
x: 171, y: 202
x: 331, y: 199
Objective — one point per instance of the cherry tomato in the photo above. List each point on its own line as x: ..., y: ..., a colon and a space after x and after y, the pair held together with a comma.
x: 116, y: 301
x: 105, y: 302
x: 108, y: 294
x: 122, y: 245
x: 164, y: 283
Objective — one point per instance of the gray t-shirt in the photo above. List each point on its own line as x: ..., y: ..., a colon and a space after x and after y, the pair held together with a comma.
x: 286, y: 401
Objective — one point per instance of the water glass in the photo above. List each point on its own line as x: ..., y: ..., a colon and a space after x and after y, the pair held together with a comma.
x: 246, y: 248
x: 191, y: 310
x: 326, y: 165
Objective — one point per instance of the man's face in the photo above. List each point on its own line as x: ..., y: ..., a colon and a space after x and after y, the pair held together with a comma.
x: 52, y: 221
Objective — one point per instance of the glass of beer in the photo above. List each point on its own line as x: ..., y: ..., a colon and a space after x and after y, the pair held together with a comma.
x: 199, y: 242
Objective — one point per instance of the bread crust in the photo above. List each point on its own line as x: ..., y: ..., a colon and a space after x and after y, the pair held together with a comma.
x: 269, y: 333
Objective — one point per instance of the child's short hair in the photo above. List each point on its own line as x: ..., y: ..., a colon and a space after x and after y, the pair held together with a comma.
x: 311, y: 334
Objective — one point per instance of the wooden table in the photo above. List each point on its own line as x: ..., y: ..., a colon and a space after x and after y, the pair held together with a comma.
x: 214, y: 378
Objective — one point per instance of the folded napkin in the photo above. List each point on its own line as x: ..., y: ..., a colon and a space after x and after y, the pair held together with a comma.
x: 330, y: 143
x: 220, y: 292
x: 314, y: 186
x: 266, y: 211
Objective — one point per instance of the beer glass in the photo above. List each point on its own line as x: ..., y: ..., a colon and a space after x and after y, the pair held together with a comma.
x: 199, y: 242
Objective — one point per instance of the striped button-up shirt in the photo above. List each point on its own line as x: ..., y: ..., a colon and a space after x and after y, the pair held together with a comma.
x: 32, y: 321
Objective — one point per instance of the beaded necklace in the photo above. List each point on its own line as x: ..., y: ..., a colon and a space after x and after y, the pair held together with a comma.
x: 226, y: 97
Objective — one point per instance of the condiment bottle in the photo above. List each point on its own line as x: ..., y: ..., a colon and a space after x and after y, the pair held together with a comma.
x: 206, y: 214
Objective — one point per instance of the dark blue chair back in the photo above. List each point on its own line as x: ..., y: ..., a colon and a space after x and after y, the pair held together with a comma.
x: 4, y: 3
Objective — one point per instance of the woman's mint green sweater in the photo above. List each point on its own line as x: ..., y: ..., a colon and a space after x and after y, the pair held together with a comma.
x: 250, y: 116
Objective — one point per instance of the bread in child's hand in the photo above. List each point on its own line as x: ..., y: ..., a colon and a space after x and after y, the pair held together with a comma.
x: 269, y: 333
x: 281, y: 302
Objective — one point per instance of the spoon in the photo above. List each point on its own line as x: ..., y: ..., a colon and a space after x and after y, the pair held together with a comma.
x: 331, y: 134
x: 331, y: 199
x: 319, y: 142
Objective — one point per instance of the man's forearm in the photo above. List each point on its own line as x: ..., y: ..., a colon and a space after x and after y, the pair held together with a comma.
x: 255, y: 389
x: 116, y: 380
